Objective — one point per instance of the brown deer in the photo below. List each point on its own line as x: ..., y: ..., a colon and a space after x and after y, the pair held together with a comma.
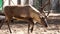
x: 25, y: 13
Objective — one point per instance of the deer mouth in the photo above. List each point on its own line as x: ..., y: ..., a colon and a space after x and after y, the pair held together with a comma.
x: 44, y: 20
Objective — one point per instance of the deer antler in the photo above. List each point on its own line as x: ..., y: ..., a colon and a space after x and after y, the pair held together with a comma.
x: 42, y: 7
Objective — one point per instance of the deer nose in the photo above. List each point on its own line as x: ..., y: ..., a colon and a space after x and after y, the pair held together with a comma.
x: 46, y: 25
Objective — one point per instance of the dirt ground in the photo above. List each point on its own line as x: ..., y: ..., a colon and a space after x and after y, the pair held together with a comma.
x: 20, y: 27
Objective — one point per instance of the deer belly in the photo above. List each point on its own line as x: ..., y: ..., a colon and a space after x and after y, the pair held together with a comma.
x: 21, y: 15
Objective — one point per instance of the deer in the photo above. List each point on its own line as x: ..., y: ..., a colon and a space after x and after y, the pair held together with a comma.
x: 24, y: 13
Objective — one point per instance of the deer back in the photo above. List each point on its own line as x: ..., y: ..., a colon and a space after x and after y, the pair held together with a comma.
x: 17, y: 11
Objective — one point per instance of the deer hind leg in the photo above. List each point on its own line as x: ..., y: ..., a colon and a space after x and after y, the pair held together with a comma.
x: 9, y: 26
x: 8, y: 20
x: 2, y: 21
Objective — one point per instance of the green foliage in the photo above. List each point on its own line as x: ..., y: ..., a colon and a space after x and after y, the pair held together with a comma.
x: 1, y: 5
x: 36, y: 4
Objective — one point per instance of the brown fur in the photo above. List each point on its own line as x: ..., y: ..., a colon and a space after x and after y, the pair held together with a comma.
x: 18, y: 12
x: 25, y: 13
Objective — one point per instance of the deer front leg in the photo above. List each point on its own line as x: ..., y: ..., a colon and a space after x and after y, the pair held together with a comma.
x: 32, y: 27
x: 31, y: 22
x: 28, y: 27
